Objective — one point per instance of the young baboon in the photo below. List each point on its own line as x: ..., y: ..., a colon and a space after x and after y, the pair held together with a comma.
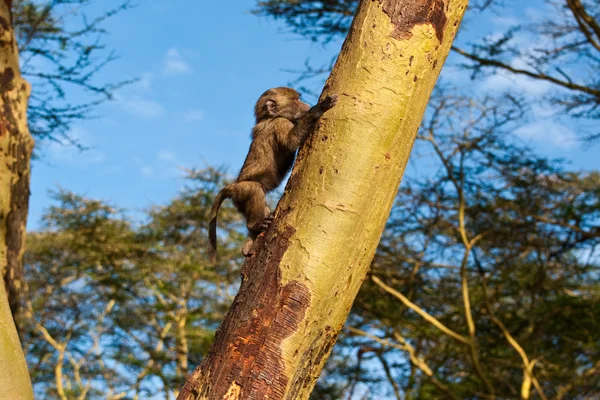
x: 282, y: 124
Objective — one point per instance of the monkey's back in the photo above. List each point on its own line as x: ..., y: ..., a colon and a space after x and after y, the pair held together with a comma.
x: 268, y: 159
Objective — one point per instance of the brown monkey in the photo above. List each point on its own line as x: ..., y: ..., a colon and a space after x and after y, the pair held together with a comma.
x: 282, y: 124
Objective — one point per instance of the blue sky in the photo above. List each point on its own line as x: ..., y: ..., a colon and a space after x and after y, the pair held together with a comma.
x: 201, y: 66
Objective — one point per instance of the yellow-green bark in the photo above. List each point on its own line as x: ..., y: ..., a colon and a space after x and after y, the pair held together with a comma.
x: 16, y: 146
x: 298, y: 289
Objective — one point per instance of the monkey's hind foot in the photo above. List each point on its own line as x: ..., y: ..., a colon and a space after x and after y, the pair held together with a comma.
x: 266, y: 222
x: 247, y: 247
x: 247, y: 250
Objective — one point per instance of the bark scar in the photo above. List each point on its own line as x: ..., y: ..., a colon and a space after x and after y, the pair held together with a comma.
x: 406, y: 14
x: 247, y: 352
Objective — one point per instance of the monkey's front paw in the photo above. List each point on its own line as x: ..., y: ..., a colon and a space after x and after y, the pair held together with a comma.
x: 329, y: 101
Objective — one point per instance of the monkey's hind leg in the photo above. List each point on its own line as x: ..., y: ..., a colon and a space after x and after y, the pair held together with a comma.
x: 247, y: 247
x: 250, y: 198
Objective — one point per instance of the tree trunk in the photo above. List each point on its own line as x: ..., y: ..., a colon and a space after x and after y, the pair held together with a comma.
x: 16, y: 146
x: 298, y: 288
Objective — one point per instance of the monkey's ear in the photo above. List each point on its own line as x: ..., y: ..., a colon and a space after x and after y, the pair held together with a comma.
x: 271, y: 107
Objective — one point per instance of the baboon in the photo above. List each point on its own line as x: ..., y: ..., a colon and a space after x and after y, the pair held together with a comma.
x: 283, y: 122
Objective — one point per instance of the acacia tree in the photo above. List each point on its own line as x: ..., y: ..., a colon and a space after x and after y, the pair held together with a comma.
x: 16, y: 145
x: 298, y: 288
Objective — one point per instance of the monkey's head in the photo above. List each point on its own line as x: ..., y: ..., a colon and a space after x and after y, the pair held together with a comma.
x: 280, y: 102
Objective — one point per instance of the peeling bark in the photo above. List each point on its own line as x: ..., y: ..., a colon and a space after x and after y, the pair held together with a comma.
x: 16, y: 145
x: 250, y: 362
x: 297, y: 290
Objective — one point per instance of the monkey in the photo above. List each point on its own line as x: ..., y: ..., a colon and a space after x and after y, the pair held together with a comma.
x: 283, y: 123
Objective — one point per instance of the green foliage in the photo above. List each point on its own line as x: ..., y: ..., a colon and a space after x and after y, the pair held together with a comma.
x: 125, y: 308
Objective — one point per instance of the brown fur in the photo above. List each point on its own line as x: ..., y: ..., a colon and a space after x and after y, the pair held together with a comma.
x: 282, y: 124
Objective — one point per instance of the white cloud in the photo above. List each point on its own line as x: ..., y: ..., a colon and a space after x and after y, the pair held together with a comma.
x: 539, y: 13
x: 66, y: 153
x: 548, y: 134
x: 145, y: 81
x: 174, y: 64
x: 503, y: 81
x: 505, y: 20
x: 164, y: 167
x: 166, y: 155
x: 540, y: 111
x: 147, y: 171
x: 193, y: 115
x: 494, y: 36
x: 143, y: 107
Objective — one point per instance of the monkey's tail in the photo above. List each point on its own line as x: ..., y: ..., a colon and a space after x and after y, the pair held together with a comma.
x: 225, y: 193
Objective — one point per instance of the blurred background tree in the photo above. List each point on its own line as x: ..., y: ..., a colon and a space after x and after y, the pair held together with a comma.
x: 120, y: 310
x: 60, y: 53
